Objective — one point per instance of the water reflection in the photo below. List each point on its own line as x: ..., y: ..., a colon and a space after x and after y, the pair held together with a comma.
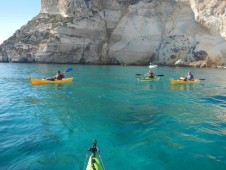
x: 184, y: 87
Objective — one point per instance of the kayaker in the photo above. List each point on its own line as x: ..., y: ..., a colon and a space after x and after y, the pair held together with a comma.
x: 150, y: 74
x: 189, y: 77
x: 59, y: 76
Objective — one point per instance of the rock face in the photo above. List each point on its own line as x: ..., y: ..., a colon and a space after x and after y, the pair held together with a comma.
x: 133, y: 32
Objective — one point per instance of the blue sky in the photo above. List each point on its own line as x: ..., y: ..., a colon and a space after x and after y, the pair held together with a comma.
x: 14, y: 14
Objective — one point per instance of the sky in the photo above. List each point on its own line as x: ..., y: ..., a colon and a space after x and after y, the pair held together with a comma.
x: 16, y: 13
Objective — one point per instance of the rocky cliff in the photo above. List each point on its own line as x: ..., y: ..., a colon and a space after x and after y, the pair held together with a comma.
x: 133, y: 32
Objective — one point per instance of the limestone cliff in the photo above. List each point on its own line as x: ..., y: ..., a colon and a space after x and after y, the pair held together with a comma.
x: 123, y: 32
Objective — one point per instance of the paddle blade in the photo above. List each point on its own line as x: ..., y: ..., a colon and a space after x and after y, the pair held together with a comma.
x: 160, y: 75
x: 68, y: 70
x: 139, y: 74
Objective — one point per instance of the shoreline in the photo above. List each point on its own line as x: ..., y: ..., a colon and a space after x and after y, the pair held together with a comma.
x: 162, y: 65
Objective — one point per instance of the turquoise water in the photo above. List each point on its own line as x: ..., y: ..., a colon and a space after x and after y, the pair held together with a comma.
x: 137, y: 125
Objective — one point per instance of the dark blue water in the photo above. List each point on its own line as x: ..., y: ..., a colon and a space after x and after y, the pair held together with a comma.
x: 137, y: 125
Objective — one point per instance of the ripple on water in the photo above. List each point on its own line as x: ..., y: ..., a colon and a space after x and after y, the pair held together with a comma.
x: 137, y: 125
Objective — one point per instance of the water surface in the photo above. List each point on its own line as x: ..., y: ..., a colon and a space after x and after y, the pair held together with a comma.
x: 137, y: 125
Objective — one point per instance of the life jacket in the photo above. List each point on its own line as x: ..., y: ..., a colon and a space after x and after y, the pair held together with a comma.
x: 152, y: 75
x: 59, y: 77
x: 62, y: 76
x: 190, y: 77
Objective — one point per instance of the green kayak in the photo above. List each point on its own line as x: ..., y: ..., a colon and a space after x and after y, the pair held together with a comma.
x: 148, y: 79
x: 94, y: 162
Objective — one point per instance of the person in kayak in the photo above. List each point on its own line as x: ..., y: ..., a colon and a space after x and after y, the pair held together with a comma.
x: 189, y: 77
x: 150, y: 74
x: 58, y: 76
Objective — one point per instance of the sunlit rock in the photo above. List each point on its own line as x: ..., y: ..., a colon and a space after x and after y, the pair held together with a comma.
x: 123, y: 32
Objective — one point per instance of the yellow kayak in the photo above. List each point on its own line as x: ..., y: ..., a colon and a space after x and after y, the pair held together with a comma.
x: 35, y: 81
x: 181, y: 81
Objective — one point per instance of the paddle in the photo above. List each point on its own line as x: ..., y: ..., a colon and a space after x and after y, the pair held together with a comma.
x: 202, y: 79
x: 68, y: 70
x: 160, y: 75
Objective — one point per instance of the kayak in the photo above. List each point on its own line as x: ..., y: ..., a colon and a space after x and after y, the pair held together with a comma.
x: 148, y: 79
x: 94, y: 162
x: 181, y: 81
x: 35, y: 81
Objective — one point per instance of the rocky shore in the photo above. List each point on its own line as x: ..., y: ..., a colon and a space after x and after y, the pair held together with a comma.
x: 137, y: 32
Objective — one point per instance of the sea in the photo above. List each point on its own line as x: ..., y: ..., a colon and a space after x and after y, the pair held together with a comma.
x: 149, y: 125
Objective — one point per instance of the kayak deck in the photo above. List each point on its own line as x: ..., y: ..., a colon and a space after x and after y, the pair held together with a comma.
x: 172, y: 81
x: 35, y: 81
x: 96, y: 163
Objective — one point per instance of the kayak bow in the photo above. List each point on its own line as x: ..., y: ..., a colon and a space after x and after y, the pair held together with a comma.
x: 35, y: 81
x: 94, y: 162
